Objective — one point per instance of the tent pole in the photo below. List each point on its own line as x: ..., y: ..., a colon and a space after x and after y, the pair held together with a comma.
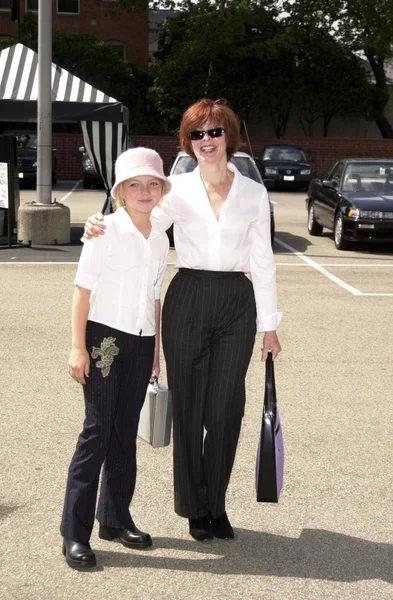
x: 44, y: 105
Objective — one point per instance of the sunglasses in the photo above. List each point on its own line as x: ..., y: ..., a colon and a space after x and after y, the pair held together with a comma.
x: 198, y: 134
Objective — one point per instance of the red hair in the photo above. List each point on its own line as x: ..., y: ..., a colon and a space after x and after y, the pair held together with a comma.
x: 219, y: 115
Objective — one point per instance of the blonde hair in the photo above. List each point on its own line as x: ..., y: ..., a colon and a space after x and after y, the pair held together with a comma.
x: 119, y: 199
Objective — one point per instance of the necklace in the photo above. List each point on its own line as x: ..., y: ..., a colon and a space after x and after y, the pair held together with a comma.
x: 220, y: 187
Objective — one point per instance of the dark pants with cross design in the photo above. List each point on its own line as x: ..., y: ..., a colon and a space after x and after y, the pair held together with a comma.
x: 112, y: 406
x: 208, y: 332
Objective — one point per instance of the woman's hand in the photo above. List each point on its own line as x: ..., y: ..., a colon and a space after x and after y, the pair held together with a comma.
x: 156, y: 369
x: 94, y: 226
x: 79, y: 365
x: 270, y: 344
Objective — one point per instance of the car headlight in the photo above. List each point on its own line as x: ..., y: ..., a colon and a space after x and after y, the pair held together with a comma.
x: 88, y: 164
x: 353, y: 213
x: 305, y: 172
x: 270, y: 171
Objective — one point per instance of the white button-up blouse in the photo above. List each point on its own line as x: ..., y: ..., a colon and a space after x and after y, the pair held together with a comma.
x: 125, y: 272
x: 238, y: 241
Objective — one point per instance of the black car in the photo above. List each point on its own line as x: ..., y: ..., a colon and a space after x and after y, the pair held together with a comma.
x: 26, y: 147
x: 284, y: 165
x: 184, y: 163
x: 354, y: 199
x: 90, y: 176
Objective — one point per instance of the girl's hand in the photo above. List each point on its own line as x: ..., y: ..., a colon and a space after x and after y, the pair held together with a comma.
x: 156, y: 369
x: 94, y: 226
x: 79, y: 365
x: 270, y: 344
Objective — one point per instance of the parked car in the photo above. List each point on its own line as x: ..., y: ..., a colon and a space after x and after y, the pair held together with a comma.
x: 184, y: 163
x: 90, y: 177
x: 26, y: 147
x: 285, y: 166
x: 354, y: 199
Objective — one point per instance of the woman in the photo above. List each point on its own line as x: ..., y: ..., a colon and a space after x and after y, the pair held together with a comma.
x: 212, y: 310
x: 115, y: 318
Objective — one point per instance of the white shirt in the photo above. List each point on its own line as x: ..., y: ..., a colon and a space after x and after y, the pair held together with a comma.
x: 125, y: 272
x: 238, y: 241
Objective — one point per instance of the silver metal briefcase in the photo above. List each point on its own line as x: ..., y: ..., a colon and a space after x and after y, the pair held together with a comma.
x: 155, y: 420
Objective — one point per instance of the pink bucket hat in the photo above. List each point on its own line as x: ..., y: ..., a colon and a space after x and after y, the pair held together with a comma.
x: 139, y: 161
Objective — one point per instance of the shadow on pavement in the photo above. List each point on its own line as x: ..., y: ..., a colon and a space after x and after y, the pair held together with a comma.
x: 296, y: 241
x: 316, y: 554
x: 47, y: 253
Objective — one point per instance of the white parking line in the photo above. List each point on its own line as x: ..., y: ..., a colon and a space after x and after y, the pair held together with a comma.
x: 39, y: 262
x: 64, y: 198
x: 326, y: 273
x: 293, y: 264
x: 308, y: 263
x: 375, y: 294
x: 318, y: 267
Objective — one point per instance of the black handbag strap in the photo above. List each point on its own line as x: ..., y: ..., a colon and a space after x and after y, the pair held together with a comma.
x: 270, y: 399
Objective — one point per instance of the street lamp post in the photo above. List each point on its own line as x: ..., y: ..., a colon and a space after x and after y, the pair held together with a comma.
x: 44, y: 104
x: 44, y: 222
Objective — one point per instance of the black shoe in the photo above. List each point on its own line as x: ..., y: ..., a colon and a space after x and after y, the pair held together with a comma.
x: 130, y: 538
x: 222, y: 528
x: 77, y: 555
x: 200, y: 529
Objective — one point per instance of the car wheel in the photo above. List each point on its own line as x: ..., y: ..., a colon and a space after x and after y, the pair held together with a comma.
x: 86, y: 184
x: 338, y: 232
x: 54, y: 178
x: 313, y: 227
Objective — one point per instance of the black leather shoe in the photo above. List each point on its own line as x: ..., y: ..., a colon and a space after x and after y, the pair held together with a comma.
x: 77, y: 555
x: 130, y: 538
x: 222, y: 528
x: 200, y: 529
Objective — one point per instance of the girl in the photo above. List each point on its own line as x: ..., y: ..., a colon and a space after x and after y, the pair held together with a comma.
x: 115, y: 327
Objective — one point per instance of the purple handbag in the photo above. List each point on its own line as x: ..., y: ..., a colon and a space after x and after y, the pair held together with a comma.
x: 270, y: 457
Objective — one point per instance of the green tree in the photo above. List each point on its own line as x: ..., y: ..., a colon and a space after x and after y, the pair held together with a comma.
x: 319, y: 58
x: 214, y: 49
x: 361, y: 26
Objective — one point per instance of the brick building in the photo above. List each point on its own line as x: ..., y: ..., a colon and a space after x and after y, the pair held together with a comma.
x: 128, y: 32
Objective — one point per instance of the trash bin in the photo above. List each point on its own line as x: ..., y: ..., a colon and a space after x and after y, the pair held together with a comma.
x: 2, y: 221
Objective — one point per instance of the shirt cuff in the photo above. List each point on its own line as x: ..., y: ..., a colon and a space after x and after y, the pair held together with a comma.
x: 269, y: 323
x: 157, y: 293
x: 85, y: 281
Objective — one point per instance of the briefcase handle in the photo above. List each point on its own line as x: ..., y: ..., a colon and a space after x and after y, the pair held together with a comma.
x: 270, y: 399
x: 154, y: 382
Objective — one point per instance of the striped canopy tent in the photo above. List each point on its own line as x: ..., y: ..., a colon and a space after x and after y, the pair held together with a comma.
x: 104, y: 120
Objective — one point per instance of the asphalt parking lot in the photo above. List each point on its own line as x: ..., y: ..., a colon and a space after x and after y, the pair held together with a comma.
x: 331, y: 534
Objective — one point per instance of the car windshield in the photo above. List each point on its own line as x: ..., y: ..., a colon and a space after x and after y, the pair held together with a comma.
x: 376, y: 177
x: 284, y: 153
x: 244, y: 164
x: 26, y: 140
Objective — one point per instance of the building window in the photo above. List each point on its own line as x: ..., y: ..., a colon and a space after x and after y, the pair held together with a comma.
x: 70, y: 7
x: 32, y: 5
x: 118, y: 47
x: 5, y: 5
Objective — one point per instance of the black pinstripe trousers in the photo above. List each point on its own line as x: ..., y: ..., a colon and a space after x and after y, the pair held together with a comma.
x: 208, y: 333
x: 113, y: 402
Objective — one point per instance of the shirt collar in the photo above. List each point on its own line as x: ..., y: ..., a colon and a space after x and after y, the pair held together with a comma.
x: 127, y: 224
